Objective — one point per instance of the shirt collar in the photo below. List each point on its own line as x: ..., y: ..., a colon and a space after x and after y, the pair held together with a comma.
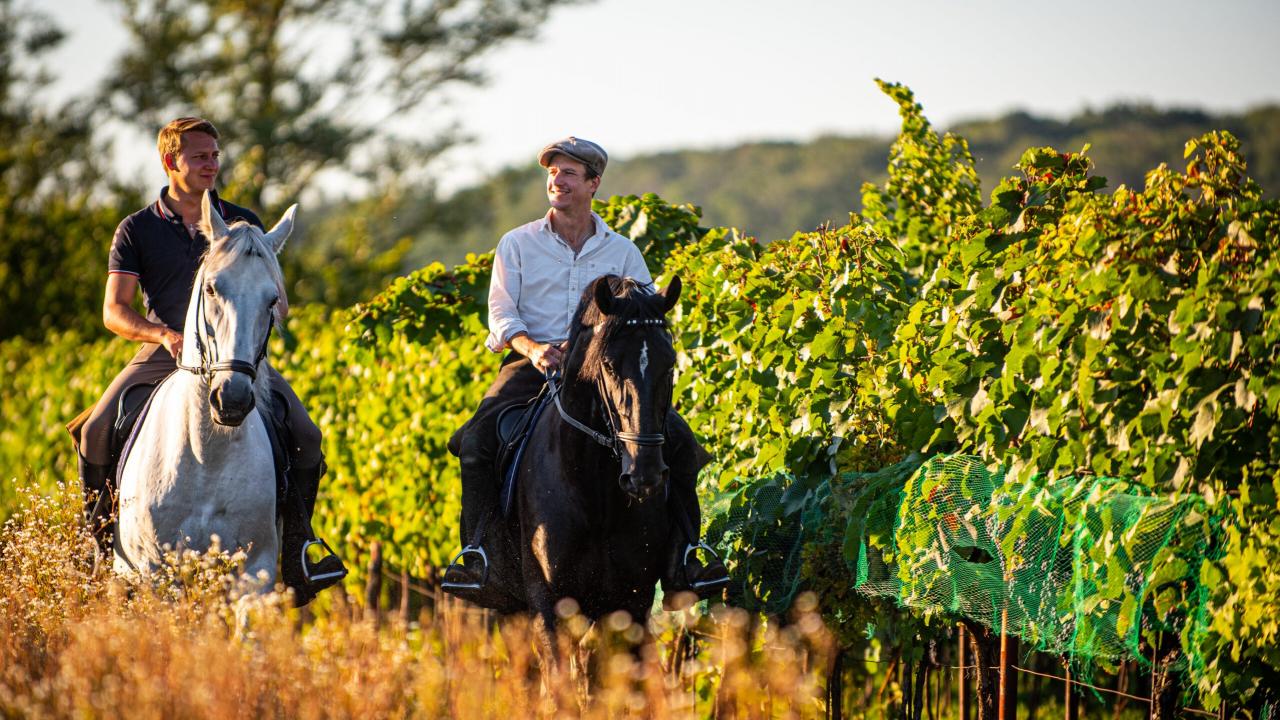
x: 596, y: 220
x: 162, y: 208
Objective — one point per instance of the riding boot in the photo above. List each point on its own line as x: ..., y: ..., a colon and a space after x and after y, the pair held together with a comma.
x: 688, y: 573
x: 307, y: 564
x: 467, y: 576
x: 685, y: 571
x: 99, y: 501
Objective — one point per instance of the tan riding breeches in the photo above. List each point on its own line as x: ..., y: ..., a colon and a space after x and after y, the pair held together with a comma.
x: 152, y: 364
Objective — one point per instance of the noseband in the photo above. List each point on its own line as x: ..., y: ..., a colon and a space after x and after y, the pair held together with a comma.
x: 614, y: 438
x: 209, y: 363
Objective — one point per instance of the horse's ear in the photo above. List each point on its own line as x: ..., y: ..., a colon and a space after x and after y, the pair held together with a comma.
x: 281, y: 231
x: 604, y: 295
x: 211, y: 223
x: 671, y: 294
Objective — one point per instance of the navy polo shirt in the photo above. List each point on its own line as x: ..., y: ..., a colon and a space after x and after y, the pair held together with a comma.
x: 153, y: 245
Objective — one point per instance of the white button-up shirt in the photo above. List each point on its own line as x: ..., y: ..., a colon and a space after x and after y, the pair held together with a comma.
x: 537, y: 280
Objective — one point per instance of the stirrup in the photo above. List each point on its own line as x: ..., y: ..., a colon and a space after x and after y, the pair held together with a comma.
x: 321, y: 577
x: 484, y: 571
x: 703, y: 584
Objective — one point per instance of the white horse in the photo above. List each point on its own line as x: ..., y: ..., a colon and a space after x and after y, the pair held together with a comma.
x: 201, y: 464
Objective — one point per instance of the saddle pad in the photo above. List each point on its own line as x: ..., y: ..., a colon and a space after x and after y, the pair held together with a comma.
x: 128, y: 411
x: 515, y: 447
x: 127, y: 415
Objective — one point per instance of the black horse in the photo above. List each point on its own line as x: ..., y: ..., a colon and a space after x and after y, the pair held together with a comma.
x: 590, y: 519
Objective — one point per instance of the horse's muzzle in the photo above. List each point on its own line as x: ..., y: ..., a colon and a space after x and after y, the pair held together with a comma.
x: 641, y: 487
x: 231, y: 400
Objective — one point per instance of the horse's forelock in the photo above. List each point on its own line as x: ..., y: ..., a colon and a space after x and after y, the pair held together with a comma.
x: 633, y: 300
x: 243, y: 239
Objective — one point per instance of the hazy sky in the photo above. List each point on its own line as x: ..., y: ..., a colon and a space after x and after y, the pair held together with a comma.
x: 643, y: 75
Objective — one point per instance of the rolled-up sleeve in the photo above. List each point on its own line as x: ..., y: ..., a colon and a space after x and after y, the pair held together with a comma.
x: 504, y: 296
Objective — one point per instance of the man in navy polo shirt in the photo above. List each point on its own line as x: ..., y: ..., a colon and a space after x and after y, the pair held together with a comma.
x: 159, y: 249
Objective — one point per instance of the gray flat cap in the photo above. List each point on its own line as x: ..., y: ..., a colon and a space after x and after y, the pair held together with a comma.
x: 584, y: 151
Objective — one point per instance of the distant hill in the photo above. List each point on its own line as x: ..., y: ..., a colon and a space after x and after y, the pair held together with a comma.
x: 773, y: 189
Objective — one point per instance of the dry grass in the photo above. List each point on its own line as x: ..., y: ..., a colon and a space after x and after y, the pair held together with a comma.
x: 77, y: 642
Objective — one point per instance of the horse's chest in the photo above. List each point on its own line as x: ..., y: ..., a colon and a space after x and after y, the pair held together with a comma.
x: 596, y: 560
x: 196, y: 491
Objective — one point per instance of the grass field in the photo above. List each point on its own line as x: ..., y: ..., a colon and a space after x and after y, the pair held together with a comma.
x: 77, y: 642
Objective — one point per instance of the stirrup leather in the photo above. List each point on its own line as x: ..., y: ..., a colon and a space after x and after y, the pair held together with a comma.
x: 484, y: 571
x: 307, y: 565
x: 702, y: 584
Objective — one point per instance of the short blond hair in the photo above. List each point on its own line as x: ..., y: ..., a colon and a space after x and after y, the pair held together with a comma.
x: 169, y: 141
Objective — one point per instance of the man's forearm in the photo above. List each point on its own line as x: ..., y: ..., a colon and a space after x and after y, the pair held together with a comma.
x: 128, y: 324
x: 522, y: 343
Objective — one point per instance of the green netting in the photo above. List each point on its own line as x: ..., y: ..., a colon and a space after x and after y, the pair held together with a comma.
x: 1074, y: 566
x: 761, y: 530
x: 1086, y: 567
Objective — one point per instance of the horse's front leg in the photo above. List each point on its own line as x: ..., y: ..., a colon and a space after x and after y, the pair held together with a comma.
x: 542, y: 604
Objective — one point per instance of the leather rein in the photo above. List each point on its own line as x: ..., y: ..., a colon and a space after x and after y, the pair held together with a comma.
x: 209, y: 364
x: 613, y: 438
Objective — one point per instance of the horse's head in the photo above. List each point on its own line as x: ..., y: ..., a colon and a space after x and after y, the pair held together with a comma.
x: 232, y: 309
x: 622, y: 344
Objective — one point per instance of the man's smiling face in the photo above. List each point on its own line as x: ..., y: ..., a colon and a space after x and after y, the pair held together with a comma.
x: 195, y: 167
x: 567, y: 185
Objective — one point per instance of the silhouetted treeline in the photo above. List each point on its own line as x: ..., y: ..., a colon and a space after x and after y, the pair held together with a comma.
x: 774, y: 189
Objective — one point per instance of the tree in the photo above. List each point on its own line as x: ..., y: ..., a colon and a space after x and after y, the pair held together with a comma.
x: 56, y: 213
x: 298, y: 87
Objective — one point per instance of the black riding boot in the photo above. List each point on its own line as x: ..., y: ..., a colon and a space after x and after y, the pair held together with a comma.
x: 686, y: 572
x: 99, y: 501
x: 307, y: 564
x: 467, y: 576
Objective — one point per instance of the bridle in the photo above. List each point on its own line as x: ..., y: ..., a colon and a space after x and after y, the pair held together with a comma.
x: 613, y: 438
x: 209, y: 363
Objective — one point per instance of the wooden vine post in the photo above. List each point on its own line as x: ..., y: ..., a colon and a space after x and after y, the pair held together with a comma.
x: 404, y: 597
x: 1071, y: 700
x: 963, y: 693
x: 1008, y: 706
x: 373, y: 586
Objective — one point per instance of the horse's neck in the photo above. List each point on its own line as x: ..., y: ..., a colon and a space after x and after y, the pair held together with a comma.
x: 581, y: 400
x: 190, y: 349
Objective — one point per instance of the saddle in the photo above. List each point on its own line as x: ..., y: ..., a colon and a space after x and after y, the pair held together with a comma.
x: 131, y: 408
x: 515, y: 425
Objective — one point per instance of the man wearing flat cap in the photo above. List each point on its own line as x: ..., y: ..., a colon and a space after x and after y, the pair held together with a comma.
x: 539, y: 273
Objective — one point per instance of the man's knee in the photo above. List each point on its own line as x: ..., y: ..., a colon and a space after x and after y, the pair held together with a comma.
x: 683, y: 444
x: 475, y: 448
x: 95, y: 435
x: 306, y: 439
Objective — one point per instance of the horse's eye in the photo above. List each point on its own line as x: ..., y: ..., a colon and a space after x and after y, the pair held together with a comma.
x: 208, y: 289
